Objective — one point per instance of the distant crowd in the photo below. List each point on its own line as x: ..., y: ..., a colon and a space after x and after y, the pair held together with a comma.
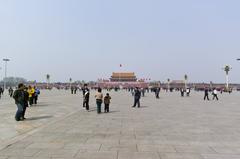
x: 26, y: 96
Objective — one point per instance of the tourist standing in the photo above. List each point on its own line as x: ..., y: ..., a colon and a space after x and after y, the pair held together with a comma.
x: 31, y: 92
x: 157, y: 92
x: 188, y: 92
x: 1, y: 92
x: 143, y: 92
x: 72, y: 89
x: 19, y: 101
x: 10, y: 91
x: 26, y: 99
x: 36, y: 94
x: 206, y: 92
x: 137, y: 97
x: 107, y: 100
x: 215, y: 94
x: 99, y: 99
x: 75, y: 89
x: 86, y: 95
x: 182, y: 92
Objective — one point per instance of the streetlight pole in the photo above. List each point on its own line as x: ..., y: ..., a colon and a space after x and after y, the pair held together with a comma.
x: 5, y: 82
x: 227, y: 68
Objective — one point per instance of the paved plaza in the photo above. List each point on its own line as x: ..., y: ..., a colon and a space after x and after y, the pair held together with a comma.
x: 169, y: 128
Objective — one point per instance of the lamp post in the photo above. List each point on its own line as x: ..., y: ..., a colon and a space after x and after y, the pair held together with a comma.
x: 168, y: 80
x: 227, y: 68
x: 186, y: 79
x: 70, y: 81
x: 5, y: 82
x: 48, y: 80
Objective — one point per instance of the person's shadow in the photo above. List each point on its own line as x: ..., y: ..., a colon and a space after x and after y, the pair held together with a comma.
x: 39, y: 118
x: 143, y: 106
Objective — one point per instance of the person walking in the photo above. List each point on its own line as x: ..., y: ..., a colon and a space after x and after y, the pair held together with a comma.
x: 19, y: 101
x: 99, y: 99
x: 215, y: 94
x: 137, y: 97
x: 206, y: 92
x: 107, y: 100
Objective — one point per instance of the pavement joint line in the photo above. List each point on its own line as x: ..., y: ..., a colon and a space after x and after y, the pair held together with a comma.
x: 117, y: 154
x: 15, y: 139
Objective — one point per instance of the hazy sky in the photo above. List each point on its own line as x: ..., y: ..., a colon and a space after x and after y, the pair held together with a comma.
x: 89, y: 39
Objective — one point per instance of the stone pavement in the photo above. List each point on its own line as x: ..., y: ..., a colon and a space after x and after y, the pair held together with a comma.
x: 169, y: 128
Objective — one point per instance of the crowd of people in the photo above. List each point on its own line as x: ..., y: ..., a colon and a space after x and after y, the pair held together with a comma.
x: 27, y: 96
x: 137, y: 93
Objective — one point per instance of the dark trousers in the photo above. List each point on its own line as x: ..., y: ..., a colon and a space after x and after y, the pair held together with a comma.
x: 157, y: 95
x: 182, y: 94
x: 86, y: 104
x: 30, y: 101
x: 206, y: 96
x: 106, y: 109
x: 99, y: 104
x: 215, y: 96
x: 136, y: 102
x: 24, y: 111
x: 35, y: 98
x: 19, y: 112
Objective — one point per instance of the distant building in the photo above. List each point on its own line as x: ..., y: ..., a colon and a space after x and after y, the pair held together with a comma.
x: 123, y: 77
x: 122, y: 80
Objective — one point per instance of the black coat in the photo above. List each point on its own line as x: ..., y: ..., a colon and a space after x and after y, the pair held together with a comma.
x: 19, y: 97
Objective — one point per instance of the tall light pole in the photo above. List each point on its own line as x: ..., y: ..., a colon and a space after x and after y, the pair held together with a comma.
x: 185, y: 79
x: 168, y: 80
x: 48, y: 80
x: 5, y: 60
x: 227, y: 68
x: 70, y: 81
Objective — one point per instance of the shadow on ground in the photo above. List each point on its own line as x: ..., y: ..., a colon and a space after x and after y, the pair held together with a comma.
x: 39, y: 118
